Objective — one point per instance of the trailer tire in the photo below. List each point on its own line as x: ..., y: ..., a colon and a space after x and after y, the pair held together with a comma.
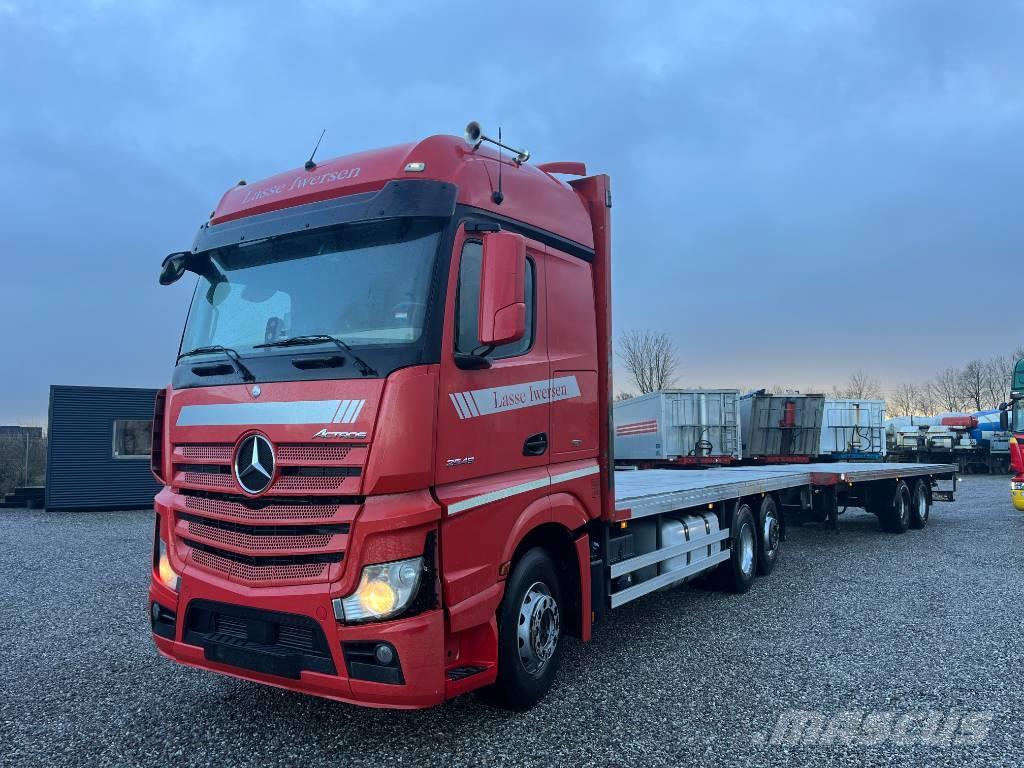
x: 920, y: 505
x: 529, y: 634
x: 769, y: 536
x: 737, y: 573
x: 895, y: 516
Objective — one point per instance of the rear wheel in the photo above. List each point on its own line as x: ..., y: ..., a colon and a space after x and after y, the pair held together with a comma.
x: 769, y: 536
x: 895, y: 516
x: 529, y: 634
x: 737, y: 573
x: 920, y: 505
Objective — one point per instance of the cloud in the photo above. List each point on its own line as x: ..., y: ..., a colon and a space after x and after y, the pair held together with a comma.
x: 795, y: 184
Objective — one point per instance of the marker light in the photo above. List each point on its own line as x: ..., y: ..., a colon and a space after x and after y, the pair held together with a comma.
x: 168, y: 576
x: 384, y: 590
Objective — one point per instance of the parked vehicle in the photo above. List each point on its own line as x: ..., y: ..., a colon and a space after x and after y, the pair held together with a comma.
x: 1012, y: 419
x: 949, y: 437
x: 679, y: 426
x: 386, y: 449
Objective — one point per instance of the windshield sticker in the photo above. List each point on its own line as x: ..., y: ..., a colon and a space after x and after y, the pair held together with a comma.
x: 483, y: 402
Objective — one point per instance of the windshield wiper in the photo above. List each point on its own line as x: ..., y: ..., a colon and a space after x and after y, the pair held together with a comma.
x: 322, y: 338
x: 228, y: 352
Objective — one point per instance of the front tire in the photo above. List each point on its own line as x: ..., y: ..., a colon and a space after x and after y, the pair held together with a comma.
x: 529, y: 634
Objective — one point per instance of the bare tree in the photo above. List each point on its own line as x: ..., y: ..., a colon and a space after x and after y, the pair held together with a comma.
x: 973, y: 379
x: 859, y: 386
x: 946, y: 390
x: 905, y: 401
x: 650, y: 358
x: 623, y: 396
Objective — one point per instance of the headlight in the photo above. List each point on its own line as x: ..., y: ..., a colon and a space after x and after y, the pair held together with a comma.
x: 384, y: 590
x: 1016, y: 486
x: 167, y: 575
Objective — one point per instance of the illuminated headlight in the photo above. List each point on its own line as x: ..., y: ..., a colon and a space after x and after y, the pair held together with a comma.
x: 384, y: 590
x: 167, y: 575
x: 1016, y: 486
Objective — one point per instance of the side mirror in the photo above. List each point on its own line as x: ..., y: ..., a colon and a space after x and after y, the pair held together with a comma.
x: 173, y: 267
x: 502, y: 316
x: 1004, y: 421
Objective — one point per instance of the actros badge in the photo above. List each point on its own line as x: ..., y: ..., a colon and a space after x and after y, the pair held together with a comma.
x: 325, y: 434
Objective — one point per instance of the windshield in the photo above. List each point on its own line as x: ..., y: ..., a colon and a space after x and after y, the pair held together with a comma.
x: 1017, y: 416
x: 366, y: 284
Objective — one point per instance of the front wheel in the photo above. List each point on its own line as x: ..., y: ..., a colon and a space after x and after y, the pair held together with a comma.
x: 529, y: 634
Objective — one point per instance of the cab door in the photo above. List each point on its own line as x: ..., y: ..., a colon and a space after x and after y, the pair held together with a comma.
x: 492, y: 420
x: 493, y: 428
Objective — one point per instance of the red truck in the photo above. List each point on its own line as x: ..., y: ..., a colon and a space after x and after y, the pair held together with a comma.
x: 385, y: 450
x: 1011, y: 418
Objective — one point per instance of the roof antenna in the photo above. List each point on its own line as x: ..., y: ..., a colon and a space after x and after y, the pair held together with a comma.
x: 310, y: 165
x: 498, y: 196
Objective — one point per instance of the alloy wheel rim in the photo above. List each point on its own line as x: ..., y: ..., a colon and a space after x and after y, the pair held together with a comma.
x: 537, y: 634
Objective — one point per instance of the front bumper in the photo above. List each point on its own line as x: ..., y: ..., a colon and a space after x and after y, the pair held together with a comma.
x: 418, y: 642
x: 1017, y: 492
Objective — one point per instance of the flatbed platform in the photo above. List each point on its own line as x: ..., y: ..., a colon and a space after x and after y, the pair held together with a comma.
x: 654, y: 491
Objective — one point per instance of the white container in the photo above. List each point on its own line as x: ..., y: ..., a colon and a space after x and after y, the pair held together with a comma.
x: 787, y: 424
x: 678, y: 424
x: 853, y: 428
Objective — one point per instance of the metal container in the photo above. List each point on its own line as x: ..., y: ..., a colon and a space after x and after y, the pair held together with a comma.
x: 678, y: 424
x: 853, y: 429
x: 781, y: 425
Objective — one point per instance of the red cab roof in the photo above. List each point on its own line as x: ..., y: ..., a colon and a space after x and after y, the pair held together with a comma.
x: 530, y: 195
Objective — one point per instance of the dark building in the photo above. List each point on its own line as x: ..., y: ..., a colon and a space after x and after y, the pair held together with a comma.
x: 98, y: 450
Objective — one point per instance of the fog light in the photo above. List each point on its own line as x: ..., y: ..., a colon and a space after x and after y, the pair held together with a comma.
x: 155, y: 612
x: 385, y: 654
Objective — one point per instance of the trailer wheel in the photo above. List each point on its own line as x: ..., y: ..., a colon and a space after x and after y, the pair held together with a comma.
x: 529, y: 634
x: 737, y: 573
x: 920, y: 505
x: 769, y: 536
x: 895, y: 516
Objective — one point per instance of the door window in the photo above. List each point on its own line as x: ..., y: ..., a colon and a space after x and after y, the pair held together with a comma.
x: 467, y: 336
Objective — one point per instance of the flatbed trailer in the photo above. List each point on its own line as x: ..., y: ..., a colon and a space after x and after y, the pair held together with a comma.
x: 818, y: 491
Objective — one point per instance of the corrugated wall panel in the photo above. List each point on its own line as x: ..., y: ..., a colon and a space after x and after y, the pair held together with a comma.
x: 81, y: 471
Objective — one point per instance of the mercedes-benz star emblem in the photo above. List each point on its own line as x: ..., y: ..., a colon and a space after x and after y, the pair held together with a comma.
x: 254, y: 464
x: 256, y: 390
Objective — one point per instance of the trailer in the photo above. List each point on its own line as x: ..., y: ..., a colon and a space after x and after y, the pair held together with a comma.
x: 679, y: 426
x: 673, y: 525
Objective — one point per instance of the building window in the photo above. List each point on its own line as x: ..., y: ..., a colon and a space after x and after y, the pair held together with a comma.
x: 133, y: 438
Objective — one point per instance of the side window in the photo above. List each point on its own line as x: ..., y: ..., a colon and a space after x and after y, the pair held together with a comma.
x: 467, y: 339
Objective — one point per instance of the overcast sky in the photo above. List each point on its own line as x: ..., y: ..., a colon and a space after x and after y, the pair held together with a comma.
x: 801, y: 189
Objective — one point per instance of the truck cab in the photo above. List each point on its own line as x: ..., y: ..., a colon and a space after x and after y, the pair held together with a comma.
x: 381, y: 447
x: 1013, y: 413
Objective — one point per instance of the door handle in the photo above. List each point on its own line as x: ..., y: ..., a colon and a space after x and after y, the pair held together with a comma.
x: 536, y: 445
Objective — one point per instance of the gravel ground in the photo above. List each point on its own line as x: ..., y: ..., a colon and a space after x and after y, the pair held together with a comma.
x: 861, y: 622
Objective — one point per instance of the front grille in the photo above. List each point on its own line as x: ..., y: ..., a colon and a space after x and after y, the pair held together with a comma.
x: 263, y: 537
x: 215, y: 504
x: 246, y: 572
x: 296, y: 532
